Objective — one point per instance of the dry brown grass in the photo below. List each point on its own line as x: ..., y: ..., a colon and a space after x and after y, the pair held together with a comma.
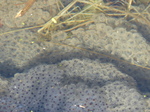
x: 73, y: 16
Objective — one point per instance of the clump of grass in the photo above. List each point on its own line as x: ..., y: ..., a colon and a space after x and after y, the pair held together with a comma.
x: 80, y: 12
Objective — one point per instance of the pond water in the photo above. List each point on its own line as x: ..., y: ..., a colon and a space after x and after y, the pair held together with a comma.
x: 82, y: 60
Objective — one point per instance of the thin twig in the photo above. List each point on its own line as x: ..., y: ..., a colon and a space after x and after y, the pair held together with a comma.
x: 29, y: 3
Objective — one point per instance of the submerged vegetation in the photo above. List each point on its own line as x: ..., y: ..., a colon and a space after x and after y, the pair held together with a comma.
x: 79, y: 13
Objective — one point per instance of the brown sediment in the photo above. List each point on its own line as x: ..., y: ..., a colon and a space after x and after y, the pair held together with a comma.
x: 1, y: 24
